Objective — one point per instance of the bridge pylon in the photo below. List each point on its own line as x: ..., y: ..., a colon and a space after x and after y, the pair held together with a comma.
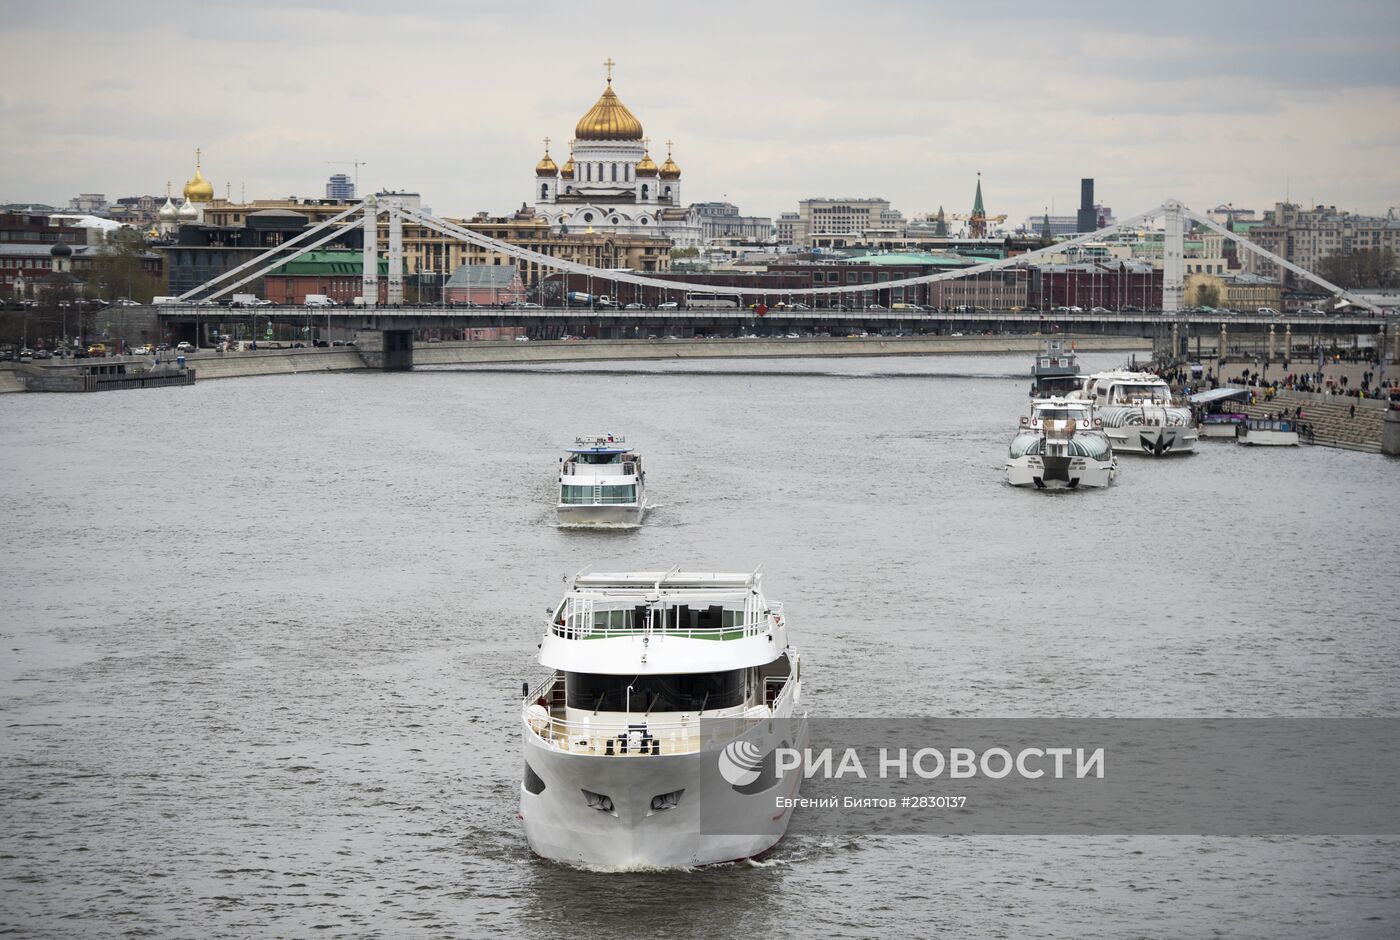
x: 369, y: 277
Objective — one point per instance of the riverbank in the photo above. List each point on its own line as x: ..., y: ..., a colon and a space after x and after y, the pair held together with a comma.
x: 229, y: 365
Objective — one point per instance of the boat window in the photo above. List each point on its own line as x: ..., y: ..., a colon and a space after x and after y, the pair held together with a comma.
x: 598, y: 458
x: 1058, y: 414
x: 1151, y: 393
x: 605, y: 495
x: 682, y: 692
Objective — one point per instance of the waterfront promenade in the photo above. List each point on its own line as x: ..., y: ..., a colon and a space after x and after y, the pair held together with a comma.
x: 215, y: 365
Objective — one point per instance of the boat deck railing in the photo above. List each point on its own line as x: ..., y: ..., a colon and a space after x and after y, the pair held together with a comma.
x: 582, y: 619
x: 641, y: 735
x: 626, y: 468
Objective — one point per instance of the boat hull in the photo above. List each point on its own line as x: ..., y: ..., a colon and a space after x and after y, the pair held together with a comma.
x: 1060, y: 473
x: 601, y: 515
x: 713, y: 821
x: 1152, y: 440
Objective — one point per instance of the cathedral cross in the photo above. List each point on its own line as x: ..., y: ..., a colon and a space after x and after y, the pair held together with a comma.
x: 609, y: 63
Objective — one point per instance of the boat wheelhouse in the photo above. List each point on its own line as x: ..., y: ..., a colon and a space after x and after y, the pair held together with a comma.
x: 1061, y: 445
x: 1268, y: 432
x: 601, y: 482
x: 1220, y: 411
x: 1056, y: 369
x: 651, y: 742
x: 1138, y: 413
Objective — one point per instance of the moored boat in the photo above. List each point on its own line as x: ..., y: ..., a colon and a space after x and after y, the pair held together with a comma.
x: 1268, y: 432
x: 652, y: 742
x: 1061, y: 445
x: 1138, y: 413
x: 1056, y: 369
x: 601, y: 482
x: 1218, y: 414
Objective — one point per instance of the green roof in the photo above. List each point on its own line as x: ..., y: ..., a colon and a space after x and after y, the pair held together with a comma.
x: 977, y: 203
x: 336, y: 261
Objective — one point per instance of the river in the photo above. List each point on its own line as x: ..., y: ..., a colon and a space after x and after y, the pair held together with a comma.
x: 265, y: 640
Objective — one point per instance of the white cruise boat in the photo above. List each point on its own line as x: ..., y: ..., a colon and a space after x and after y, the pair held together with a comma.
x: 1268, y: 432
x: 1061, y: 445
x: 652, y: 743
x: 601, y: 482
x: 1138, y: 414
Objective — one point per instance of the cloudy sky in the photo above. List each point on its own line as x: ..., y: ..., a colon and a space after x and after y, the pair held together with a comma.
x: 768, y: 103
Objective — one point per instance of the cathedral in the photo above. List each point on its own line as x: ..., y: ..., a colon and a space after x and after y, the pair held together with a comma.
x: 611, y: 183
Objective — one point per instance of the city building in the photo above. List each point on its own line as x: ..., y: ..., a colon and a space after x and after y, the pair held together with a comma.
x: 837, y: 223
x: 484, y: 284
x: 722, y: 220
x: 336, y: 273
x: 611, y: 183
x: 1307, y: 236
x: 88, y: 204
x: 1244, y: 292
x: 340, y: 188
x: 1111, y: 285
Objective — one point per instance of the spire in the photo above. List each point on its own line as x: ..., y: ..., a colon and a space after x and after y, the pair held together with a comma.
x: 977, y: 207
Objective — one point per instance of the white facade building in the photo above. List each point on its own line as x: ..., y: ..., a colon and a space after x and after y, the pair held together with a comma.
x: 611, y: 183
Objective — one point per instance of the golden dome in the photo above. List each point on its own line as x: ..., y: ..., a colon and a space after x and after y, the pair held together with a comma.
x: 669, y: 170
x: 609, y: 119
x: 568, y: 170
x: 198, y: 189
x: 646, y: 166
x: 546, y: 166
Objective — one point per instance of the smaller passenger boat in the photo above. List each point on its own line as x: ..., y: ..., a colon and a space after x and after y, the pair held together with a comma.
x: 1056, y: 369
x: 1219, y: 411
x: 1268, y: 432
x: 1061, y: 446
x: 601, y: 482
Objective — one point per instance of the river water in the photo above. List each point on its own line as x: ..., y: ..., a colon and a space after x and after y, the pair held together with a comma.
x: 265, y: 638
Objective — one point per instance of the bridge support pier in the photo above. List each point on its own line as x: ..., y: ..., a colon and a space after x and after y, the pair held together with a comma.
x: 386, y: 350
x: 1269, y: 351
x: 1223, y: 351
x: 1390, y: 433
x: 1287, y: 344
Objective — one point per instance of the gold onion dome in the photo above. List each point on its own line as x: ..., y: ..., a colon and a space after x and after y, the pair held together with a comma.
x: 546, y: 166
x: 669, y: 170
x: 646, y: 166
x: 568, y: 169
x: 198, y: 189
x: 609, y: 119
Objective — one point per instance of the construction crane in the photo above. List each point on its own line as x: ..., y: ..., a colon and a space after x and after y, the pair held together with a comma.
x: 963, y: 217
x: 356, y: 164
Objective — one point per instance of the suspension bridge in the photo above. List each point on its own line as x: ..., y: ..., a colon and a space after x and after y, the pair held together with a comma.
x: 832, y: 308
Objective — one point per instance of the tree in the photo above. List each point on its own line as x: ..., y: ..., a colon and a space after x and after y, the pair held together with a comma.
x: 1363, y: 268
x: 117, y: 269
x: 1204, y: 294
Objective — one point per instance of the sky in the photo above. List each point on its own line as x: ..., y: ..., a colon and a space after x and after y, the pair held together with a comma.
x: 768, y: 103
